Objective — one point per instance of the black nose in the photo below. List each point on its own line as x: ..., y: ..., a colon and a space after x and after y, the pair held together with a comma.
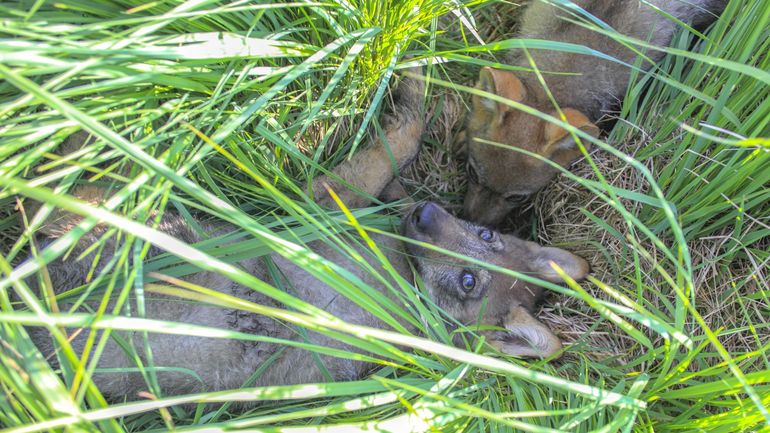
x: 425, y: 216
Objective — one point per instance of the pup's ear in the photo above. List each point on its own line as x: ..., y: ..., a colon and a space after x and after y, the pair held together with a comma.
x: 559, y: 145
x: 576, y: 267
x: 501, y: 83
x: 526, y: 336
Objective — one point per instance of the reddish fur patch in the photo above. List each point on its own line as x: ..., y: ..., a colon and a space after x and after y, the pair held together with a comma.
x: 554, y: 133
x: 506, y: 84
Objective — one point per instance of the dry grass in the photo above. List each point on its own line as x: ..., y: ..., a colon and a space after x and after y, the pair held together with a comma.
x: 562, y: 210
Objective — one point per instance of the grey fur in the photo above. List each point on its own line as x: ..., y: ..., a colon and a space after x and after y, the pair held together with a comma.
x: 226, y: 364
x: 588, y: 89
x: 222, y: 363
x: 599, y: 85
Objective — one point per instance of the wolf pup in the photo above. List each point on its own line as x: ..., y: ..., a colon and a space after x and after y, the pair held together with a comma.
x: 469, y: 294
x: 499, y: 178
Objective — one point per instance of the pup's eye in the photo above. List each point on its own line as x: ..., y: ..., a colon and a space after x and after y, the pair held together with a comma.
x: 516, y: 198
x: 487, y: 235
x: 468, y: 281
x: 473, y: 176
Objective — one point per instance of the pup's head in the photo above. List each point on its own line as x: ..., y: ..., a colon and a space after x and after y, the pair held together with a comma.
x: 474, y: 295
x: 500, y: 178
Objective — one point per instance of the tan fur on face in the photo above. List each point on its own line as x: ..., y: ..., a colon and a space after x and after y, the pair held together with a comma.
x: 503, y: 173
x: 497, y: 299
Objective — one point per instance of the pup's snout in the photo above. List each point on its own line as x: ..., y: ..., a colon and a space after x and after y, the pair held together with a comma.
x: 426, y: 217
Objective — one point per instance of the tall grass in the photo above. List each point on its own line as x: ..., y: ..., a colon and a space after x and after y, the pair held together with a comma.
x: 286, y: 91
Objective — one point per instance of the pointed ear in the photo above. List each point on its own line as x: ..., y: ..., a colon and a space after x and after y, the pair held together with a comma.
x: 559, y: 143
x: 501, y: 83
x: 576, y: 267
x: 526, y: 336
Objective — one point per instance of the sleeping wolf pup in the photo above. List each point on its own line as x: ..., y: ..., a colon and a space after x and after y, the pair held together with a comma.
x: 499, y: 178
